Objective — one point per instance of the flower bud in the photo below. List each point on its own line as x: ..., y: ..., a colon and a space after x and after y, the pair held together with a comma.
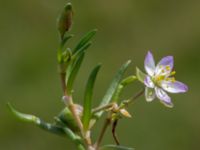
x: 65, y: 20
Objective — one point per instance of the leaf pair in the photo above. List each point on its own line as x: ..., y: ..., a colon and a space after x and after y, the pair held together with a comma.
x: 77, y: 58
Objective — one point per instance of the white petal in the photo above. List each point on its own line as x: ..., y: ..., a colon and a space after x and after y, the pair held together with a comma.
x: 149, y: 64
x: 174, y: 87
x: 148, y: 82
x: 164, y: 98
x: 149, y: 94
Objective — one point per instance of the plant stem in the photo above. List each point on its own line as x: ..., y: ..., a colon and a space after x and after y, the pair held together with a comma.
x: 131, y: 100
x: 104, y: 107
x: 102, y: 133
x: 108, y: 120
x: 114, y: 131
x: 63, y: 84
x: 70, y: 103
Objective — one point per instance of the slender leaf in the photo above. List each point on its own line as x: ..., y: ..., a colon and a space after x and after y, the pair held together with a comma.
x: 113, y: 87
x: 35, y: 120
x: 86, y: 38
x: 81, y: 50
x: 128, y: 80
x: 140, y: 75
x: 73, y: 72
x: 121, y: 87
x: 115, y: 147
x: 88, y: 97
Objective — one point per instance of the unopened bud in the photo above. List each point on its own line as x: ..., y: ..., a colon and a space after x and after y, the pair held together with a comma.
x: 65, y: 20
x: 125, y: 113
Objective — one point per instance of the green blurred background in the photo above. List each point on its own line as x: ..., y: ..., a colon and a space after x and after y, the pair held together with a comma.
x: 127, y: 29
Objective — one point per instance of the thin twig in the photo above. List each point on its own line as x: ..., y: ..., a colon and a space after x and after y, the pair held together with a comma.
x: 100, y: 108
x: 131, y: 100
x: 103, y: 131
x: 63, y: 84
x: 114, y: 125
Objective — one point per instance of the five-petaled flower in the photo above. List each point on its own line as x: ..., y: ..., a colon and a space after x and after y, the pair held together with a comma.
x: 159, y: 80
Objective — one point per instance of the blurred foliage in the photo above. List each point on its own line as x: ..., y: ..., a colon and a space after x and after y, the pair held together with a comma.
x: 127, y: 29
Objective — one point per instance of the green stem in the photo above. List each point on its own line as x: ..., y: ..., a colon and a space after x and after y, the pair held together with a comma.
x: 121, y: 87
x: 104, y: 107
x: 131, y: 100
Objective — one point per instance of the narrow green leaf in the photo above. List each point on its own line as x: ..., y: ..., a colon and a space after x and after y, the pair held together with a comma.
x: 140, y: 75
x: 86, y: 38
x: 128, y: 80
x: 121, y: 87
x: 115, y: 147
x: 88, y: 97
x: 113, y: 87
x: 35, y: 120
x: 21, y: 116
x: 81, y: 50
x: 73, y: 71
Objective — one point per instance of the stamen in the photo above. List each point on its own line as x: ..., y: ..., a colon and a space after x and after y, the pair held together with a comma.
x: 160, y: 78
x: 168, y: 68
x: 173, y: 73
x: 172, y: 79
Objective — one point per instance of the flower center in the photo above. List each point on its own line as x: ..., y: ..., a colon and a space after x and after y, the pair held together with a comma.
x: 164, y: 75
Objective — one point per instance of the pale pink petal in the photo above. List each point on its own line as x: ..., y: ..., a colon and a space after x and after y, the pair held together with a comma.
x: 149, y: 64
x: 165, y: 66
x: 174, y: 87
x: 148, y: 82
x: 164, y: 98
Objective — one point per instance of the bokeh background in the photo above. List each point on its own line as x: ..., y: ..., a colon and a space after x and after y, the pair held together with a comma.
x: 126, y: 30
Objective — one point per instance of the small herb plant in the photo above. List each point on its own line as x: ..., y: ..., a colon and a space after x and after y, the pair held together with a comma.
x: 75, y: 121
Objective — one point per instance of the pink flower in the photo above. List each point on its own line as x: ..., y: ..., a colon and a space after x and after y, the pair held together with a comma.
x: 159, y: 80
